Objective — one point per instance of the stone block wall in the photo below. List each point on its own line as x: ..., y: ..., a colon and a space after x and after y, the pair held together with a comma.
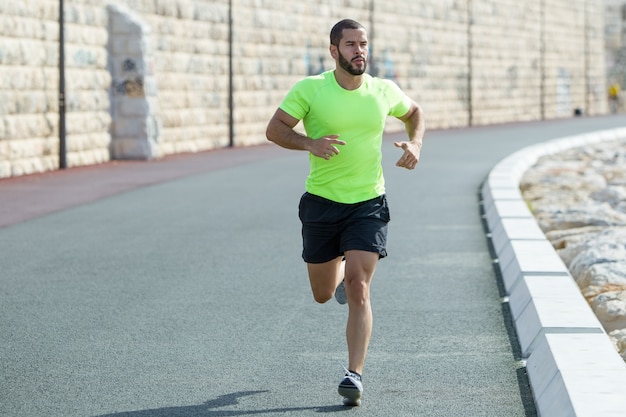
x: 505, y: 61
x: 423, y: 47
x: 190, y: 67
x: 29, y: 87
x: 467, y: 62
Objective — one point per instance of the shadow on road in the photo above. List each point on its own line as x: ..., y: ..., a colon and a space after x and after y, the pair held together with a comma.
x: 208, y: 409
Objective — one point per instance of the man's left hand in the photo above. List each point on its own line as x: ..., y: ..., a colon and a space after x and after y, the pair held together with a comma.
x: 411, y: 155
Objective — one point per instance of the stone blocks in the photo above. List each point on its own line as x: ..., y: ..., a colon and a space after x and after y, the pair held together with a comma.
x: 528, y: 257
x: 545, y: 304
x: 577, y: 375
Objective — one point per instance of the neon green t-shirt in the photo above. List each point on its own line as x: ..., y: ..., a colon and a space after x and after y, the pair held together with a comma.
x: 358, y: 117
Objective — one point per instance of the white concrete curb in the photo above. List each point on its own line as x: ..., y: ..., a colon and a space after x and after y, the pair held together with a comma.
x: 572, y: 366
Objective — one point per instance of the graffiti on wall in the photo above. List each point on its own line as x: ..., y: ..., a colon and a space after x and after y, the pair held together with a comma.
x: 563, y: 92
x: 314, y: 62
x: 132, y: 83
x: 387, y: 67
x: 84, y: 58
x: 512, y: 78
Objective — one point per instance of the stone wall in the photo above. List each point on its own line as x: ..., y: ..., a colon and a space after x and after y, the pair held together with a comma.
x: 468, y: 62
x: 29, y: 86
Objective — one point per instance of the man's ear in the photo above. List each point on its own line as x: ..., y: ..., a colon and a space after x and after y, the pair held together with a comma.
x: 333, y: 51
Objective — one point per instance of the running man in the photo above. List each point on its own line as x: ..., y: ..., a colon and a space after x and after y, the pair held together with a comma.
x: 344, y: 210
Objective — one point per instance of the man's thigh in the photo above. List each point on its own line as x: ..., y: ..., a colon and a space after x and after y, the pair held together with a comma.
x: 324, y: 277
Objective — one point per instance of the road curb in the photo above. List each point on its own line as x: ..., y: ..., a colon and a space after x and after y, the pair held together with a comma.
x: 572, y: 366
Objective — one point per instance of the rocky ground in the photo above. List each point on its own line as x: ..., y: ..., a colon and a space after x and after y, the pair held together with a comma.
x: 579, y: 200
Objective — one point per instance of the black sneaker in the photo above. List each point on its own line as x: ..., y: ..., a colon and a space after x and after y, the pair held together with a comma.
x: 351, y: 388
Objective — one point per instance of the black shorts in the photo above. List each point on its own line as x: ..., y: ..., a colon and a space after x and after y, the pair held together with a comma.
x: 329, y: 228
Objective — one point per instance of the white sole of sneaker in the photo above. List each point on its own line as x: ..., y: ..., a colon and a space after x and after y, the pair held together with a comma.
x: 348, y: 402
x: 351, y: 396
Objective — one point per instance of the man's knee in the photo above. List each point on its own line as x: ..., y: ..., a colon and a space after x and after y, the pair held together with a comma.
x: 357, y: 291
x: 322, y: 295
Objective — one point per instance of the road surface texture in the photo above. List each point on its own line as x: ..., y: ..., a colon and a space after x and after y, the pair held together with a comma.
x: 175, y: 288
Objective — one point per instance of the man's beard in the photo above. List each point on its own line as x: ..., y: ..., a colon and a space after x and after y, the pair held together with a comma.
x: 347, y: 65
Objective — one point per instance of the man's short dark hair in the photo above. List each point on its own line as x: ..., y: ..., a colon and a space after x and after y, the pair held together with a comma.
x: 336, y: 32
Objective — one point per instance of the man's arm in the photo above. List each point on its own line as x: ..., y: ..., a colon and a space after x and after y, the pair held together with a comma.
x: 280, y: 131
x: 415, y: 129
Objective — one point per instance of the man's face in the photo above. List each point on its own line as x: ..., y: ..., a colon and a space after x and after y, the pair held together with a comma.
x: 352, y: 51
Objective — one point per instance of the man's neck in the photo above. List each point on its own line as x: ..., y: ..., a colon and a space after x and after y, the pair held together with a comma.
x: 348, y: 81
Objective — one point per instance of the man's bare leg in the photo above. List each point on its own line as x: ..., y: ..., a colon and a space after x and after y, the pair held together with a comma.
x: 325, y: 278
x: 360, y: 268
x: 357, y: 271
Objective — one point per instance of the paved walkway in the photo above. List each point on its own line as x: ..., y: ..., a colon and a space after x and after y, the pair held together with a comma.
x: 175, y: 288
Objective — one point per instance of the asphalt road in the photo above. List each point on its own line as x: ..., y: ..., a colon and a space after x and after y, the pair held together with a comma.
x: 176, y: 289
